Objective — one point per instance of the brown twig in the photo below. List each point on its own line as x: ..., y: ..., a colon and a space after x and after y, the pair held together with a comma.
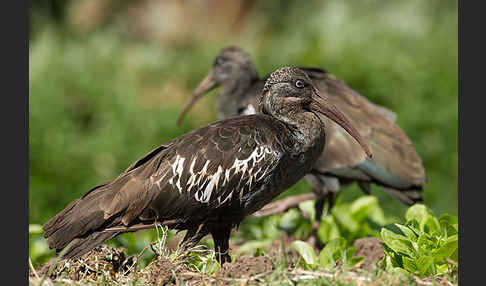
x: 283, y: 205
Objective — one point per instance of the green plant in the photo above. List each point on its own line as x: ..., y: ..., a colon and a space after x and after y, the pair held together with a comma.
x: 293, y: 221
x: 258, y: 233
x: 424, y: 245
x: 335, y: 251
x: 38, y: 250
x: 361, y: 218
x: 203, y: 260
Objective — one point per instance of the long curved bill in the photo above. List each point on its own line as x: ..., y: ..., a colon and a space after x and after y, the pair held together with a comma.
x: 323, y: 106
x: 204, y: 86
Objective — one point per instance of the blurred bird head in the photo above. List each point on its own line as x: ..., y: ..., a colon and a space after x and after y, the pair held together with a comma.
x: 231, y: 68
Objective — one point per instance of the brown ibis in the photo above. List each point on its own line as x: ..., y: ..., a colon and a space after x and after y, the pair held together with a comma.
x: 396, y: 166
x: 207, y: 180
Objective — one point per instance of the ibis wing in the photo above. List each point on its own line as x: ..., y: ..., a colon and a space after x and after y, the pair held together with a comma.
x: 394, y: 157
x: 197, y: 172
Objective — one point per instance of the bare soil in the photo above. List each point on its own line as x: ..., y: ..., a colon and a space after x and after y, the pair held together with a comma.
x: 370, y: 248
x: 245, y: 267
x: 164, y: 272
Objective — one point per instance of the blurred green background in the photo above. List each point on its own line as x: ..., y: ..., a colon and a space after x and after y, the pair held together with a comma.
x: 108, y: 78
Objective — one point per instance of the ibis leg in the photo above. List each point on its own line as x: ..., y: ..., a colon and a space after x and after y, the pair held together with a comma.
x: 221, y: 237
x: 321, y: 201
x: 321, y: 196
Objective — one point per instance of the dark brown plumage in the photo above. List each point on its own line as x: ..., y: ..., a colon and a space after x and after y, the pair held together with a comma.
x: 396, y: 165
x: 208, y: 180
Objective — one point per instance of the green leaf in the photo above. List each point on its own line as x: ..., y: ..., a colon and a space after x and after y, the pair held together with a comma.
x: 259, y: 252
x: 367, y: 207
x: 332, y: 252
x: 409, y: 264
x: 441, y: 269
x: 327, y: 230
x: 397, y: 242
x: 360, y: 208
x: 354, y: 261
x: 392, y: 260
x: 306, y: 251
x: 430, y: 224
x: 377, y: 215
x: 388, y: 262
x: 38, y: 248
x: 454, y: 255
x: 426, y: 244
x: 290, y: 220
x: 425, y: 266
x: 448, y: 224
x: 408, y: 232
x: 307, y: 207
x: 270, y: 227
x: 449, y: 219
x: 413, y: 225
x: 447, y: 249
x: 342, y: 217
x: 304, y: 230
x: 35, y: 229
x: 253, y: 245
x: 418, y: 212
x: 349, y: 260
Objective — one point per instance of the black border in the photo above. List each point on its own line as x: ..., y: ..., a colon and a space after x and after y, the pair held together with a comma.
x: 471, y: 115
x: 14, y: 117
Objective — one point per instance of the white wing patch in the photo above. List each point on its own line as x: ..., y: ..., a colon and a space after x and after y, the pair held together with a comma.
x: 197, y: 180
x: 249, y: 165
x: 177, y: 169
x: 244, y: 165
x: 205, y: 195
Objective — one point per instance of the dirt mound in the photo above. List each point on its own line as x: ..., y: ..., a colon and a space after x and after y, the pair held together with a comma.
x: 246, y: 266
x: 101, y: 261
x: 163, y: 272
x: 370, y: 248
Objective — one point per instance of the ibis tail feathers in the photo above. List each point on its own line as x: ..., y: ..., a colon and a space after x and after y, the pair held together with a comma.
x: 82, y: 222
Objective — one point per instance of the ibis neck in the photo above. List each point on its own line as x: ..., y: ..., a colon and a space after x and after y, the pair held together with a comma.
x: 307, y: 130
x: 231, y: 94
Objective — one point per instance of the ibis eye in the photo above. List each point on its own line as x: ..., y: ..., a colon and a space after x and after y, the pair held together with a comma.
x: 300, y: 83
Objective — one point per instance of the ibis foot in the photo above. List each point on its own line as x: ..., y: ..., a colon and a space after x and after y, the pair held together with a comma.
x: 223, y: 258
